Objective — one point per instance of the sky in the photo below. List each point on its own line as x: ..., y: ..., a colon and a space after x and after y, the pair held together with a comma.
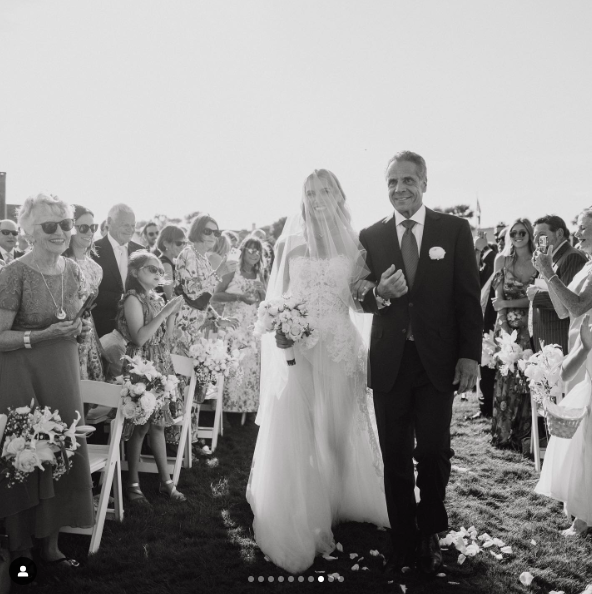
x: 225, y: 106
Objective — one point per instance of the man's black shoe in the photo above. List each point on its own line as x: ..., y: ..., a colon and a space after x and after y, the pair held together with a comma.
x: 399, y: 559
x: 430, y: 555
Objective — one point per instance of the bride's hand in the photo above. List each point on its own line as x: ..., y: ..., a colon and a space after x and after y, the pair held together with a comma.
x: 282, y: 342
x: 360, y: 289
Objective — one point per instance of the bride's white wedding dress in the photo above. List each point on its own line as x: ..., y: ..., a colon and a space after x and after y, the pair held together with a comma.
x: 317, y: 461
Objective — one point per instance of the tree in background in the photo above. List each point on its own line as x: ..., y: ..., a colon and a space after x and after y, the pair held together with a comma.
x: 277, y: 227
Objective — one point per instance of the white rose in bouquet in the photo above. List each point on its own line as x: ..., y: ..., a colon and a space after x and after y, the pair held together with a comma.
x: 129, y: 409
x: 27, y: 461
x: 22, y: 410
x: 139, y: 389
x: 148, y: 402
x: 13, y: 445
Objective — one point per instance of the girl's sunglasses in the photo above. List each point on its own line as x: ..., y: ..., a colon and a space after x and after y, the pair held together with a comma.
x: 214, y: 232
x: 520, y: 234
x: 49, y: 228
x: 253, y: 251
x: 9, y: 232
x: 86, y: 228
x: 153, y: 269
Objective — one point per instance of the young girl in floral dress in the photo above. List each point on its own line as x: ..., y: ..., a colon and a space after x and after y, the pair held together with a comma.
x: 146, y: 323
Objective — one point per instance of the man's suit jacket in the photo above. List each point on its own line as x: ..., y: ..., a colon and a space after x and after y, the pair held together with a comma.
x: 546, y: 325
x: 17, y: 254
x: 443, y: 305
x: 111, y: 287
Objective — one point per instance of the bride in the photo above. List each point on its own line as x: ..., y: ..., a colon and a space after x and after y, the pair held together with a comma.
x: 317, y: 460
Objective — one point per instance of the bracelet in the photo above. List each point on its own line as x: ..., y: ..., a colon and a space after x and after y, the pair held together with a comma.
x: 27, y: 339
x: 552, y: 277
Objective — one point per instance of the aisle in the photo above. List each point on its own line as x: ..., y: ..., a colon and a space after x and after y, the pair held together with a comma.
x: 206, y: 545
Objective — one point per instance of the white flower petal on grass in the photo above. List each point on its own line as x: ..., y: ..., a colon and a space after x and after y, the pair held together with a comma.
x: 472, y: 550
x: 498, y: 556
x: 559, y: 592
x: 461, y: 559
x: 488, y: 543
x: 212, y: 462
x: 526, y: 578
x: 498, y: 542
x: 353, y: 555
x: 335, y: 576
x: 328, y: 557
x: 533, y: 542
x: 484, y: 537
x: 405, y: 569
x: 403, y: 588
x: 454, y: 583
x: 440, y: 575
x: 355, y: 567
x: 339, y: 547
x: 374, y: 552
x: 507, y: 550
x: 365, y: 569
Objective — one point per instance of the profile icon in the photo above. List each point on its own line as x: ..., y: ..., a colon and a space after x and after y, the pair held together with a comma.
x: 22, y: 571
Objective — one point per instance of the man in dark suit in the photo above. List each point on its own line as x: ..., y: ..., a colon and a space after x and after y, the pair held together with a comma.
x: 8, y: 241
x: 425, y: 343
x: 567, y: 262
x: 112, y: 254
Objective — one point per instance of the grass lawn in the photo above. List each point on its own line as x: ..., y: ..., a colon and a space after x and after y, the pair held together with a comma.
x: 206, y: 545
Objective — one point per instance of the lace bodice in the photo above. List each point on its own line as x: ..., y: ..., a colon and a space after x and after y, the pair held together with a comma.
x: 324, y: 284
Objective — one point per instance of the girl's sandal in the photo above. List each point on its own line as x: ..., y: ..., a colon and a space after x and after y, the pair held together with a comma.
x: 134, y: 495
x: 172, y: 492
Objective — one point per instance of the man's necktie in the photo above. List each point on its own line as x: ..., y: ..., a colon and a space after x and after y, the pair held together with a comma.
x: 409, y: 251
x: 410, y: 255
x: 9, y: 257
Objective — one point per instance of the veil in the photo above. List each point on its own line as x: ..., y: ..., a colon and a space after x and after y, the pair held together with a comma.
x: 320, y: 229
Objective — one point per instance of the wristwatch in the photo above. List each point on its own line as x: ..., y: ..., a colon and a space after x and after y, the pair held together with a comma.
x: 382, y: 302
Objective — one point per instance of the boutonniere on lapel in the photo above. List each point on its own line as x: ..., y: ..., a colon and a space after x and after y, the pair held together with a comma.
x: 437, y: 253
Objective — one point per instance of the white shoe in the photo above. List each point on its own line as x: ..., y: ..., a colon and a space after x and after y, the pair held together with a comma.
x: 578, y: 528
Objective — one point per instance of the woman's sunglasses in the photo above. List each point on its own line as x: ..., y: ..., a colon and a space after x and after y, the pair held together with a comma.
x: 214, y: 232
x: 86, y: 228
x: 9, y: 232
x: 180, y: 243
x: 520, y: 234
x: 65, y: 225
x: 153, y: 269
x: 253, y: 251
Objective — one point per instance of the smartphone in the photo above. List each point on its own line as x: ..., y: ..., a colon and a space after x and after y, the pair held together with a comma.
x: 543, y: 243
x: 87, y: 306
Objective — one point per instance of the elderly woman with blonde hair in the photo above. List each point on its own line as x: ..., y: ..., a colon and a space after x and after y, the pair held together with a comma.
x: 40, y: 295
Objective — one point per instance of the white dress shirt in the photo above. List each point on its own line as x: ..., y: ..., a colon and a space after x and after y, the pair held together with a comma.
x: 419, y: 218
x: 121, y: 255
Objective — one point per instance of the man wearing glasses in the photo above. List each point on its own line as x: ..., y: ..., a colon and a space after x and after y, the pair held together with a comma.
x: 112, y: 254
x: 150, y: 235
x: 8, y: 241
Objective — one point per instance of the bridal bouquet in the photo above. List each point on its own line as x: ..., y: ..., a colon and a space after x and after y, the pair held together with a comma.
x: 145, y: 390
x: 212, y: 357
x: 543, y: 370
x: 290, y: 317
x: 31, y: 437
x: 510, y: 354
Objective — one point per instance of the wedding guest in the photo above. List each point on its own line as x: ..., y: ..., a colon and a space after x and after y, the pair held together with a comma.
x: 147, y: 325
x: 232, y: 237
x: 196, y: 281
x: 39, y: 299
x: 81, y: 246
x: 500, y: 239
x: 574, y: 300
x: 8, y: 241
x: 567, y: 468
x: 103, y: 229
x: 112, y: 253
x: 150, y: 234
x: 220, y: 250
x: 241, y: 291
x: 514, y: 273
x: 169, y: 244
x: 548, y: 328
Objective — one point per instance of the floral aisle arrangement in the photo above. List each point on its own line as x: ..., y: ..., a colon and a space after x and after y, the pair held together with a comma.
x: 145, y: 390
x: 543, y: 370
x: 290, y: 317
x: 505, y: 354
x: 33, y: 437
x: 210, y: 358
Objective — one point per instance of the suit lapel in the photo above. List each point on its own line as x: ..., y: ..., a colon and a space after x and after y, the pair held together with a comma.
x: 429, y: 233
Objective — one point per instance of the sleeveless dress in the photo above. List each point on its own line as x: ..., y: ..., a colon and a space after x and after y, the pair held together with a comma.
x: 567, y: 467
x: 511, y: 401
x: 317, y: 461
x: 49, y: 374
x: 155, y: 349
x: 241, y: 394
x: 91, y: 365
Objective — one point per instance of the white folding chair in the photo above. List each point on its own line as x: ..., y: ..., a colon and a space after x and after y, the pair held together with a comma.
x: 214, y: 396
x: 182, y: 366
x: 535, y: 445
x: 104, y: 458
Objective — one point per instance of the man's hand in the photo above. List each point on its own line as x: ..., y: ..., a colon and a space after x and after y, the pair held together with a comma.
x: 393, y: 283
x: 465, y: 375
x: 499, y: 304
x: 282, y: 342
x: 544, y: 262
x: 360, y: 289
x: 531, y: 291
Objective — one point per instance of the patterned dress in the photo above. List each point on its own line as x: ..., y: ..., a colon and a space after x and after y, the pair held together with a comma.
x: 155, y: 349
x: 511, y: 402
x: 195, y: 275
x: 91, y: 365
x: 49, y: 374
x: 241, y: 394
